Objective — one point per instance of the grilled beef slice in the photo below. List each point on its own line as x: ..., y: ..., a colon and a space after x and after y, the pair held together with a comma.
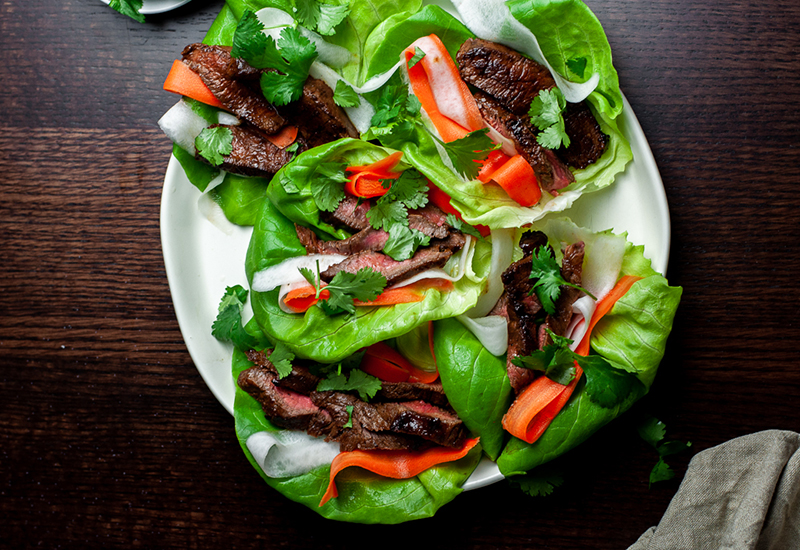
x: 527, y: 320
x: 550, y: 171
x: 587, y: 140
x: 402, y: 416
x: 319, y: 119
x: 514, y: 80
x: 227, y: 78
x: 435, y: 255
x: 252, y: 154
x: 351, y: 214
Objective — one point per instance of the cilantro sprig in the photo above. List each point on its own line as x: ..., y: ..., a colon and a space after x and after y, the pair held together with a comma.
x: 390, y: 213
x: 607, y: 384
x: 546, y: 113
x: 467, y: 152
x: 365, y: 285
x: 345, y: 96
x: 131, y: 8
x: 346, y: 376
x: 291, y: 57
x: 326, y: 185
x: 228, y: 327
x: 654, y: 432
x: 323, y: 18
x: 395, y: 114
x: 539, y: 482
x: 214, y: 144
x: 546, y: 270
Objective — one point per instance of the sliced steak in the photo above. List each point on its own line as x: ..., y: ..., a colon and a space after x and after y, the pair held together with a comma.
x: 571, y: 269
x: 319, y: 119
x: 368, y: 239
x: 513, y: 79
x: 435, y: 255
x: 551, y: 173
x: 223, y: 75
x: 285, y: 408
x: 430, y: 220
x: 424, y: 420
x: 351, y: 213
x: 587, y: 140
x: 413, y: 391
x: 252, y: 154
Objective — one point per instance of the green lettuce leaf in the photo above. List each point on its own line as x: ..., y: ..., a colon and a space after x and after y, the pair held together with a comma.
x: 240, y: 197
x: 363, y: 497
x: 475, y: 382
x: 633, y: 335
x: 314, y: 335
x: 488, y: 204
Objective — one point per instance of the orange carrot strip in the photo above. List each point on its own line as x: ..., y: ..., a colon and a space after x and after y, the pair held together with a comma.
x: 394, y: 464
x: 365, y: 181
x: 284, y: 138
x: 538, y: 404
x: 386, y: 353
x: 447, y: 128
x: 301, y: 299
x: 383, y: 165
x: 446, y: 84
x: 517, y: 178
x: 495, y: 160
x: 442, y: 200
x: 383, y: 369
x: 184, y: 81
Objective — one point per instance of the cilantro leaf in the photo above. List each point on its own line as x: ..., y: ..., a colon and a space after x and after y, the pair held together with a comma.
x: 345, y: 96
x: 282, y: 358
x: 327, y: 185
x: 404, y: 241
x: 390, y: 213
x: 330, y: 17
x: 661, y: 472
x: 321, y: 17
x: 227, y: 327
x: 131, y: 8
x: 555, y: 360
x: 653, y: 431
x: 396, y: 113
x: 214, y: 144
x: 457, y: 223
x: 465, y: 152
x: 418, y: 55
x: 606, y: 384
x: 545, y: 268
x: 546, y: 113
x: 538, y: 483
x: 577, y: 66
x: 292, y: 63
x: 252, y: 45
x: 365, y: 285
x: 366, y: 385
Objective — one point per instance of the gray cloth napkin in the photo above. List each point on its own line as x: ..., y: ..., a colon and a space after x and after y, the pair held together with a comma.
x: 742, y: 494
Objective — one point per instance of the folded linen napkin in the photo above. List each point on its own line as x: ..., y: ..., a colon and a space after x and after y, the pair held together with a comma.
x: 742, y: 494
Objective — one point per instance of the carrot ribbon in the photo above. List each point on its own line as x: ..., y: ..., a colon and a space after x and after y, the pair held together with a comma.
x: 367, y: 181
x: 386, y: 363
x: 394, y: 464
x: 538, y: 404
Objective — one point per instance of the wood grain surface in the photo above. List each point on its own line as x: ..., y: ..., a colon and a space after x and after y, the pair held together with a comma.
x: 108, y: 435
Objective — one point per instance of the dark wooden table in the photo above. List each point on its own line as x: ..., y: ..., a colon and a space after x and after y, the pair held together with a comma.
x: 110, y: 438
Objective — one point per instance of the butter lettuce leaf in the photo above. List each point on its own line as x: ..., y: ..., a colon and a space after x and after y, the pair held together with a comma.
x: 475, y: 382
x: 363, y: 497
x: 314, y: 335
